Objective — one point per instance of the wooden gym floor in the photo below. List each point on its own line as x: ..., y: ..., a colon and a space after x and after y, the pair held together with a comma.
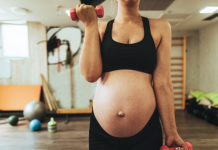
x: 74, y: 135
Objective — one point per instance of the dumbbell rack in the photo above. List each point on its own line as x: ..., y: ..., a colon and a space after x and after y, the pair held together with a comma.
x: 183, y: 74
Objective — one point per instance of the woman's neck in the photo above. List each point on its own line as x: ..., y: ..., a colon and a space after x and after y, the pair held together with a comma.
x: 128, y: 12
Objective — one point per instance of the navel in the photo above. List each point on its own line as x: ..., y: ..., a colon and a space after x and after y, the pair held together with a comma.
x: 121, y: 114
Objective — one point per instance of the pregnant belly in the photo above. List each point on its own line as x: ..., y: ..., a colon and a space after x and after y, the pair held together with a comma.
x: 130, y: 95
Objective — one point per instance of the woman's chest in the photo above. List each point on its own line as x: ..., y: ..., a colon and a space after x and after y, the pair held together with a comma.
x: 129, y: 35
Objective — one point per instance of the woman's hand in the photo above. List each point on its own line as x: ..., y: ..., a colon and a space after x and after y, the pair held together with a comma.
x: 175, y: 140
x: 87, y: 14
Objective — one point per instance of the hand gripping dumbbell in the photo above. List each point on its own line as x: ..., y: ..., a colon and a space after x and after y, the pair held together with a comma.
x: 99, y: 10
x: 164, y: 147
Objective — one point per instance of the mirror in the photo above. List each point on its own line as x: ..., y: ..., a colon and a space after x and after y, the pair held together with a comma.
x: 70, y: 34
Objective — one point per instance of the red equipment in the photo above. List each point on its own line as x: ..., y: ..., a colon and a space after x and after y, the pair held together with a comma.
x: 99, y: 10
x: 164, y: 147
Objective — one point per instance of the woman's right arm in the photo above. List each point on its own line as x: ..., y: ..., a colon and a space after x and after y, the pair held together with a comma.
x: 90, y: 59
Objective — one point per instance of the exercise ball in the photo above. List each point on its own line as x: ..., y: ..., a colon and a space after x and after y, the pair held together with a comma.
x: 35, y: 125
x: 34, y: 110
x: 12, y: 120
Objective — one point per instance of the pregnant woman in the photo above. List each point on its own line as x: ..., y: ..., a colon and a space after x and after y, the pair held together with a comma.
x: 129, y: 57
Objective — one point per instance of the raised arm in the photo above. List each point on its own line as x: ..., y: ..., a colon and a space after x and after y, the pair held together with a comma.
x: 163, y: 86
x: 90, y: 59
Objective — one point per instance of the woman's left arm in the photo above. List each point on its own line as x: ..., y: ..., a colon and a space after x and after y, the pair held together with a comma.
x: 162, y: 79
x: 163, y: 88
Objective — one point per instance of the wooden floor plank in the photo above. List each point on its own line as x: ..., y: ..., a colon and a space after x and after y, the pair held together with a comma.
x: 74, y: 135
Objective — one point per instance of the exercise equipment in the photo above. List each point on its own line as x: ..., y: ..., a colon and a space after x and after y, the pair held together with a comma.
x: 52, y: 126
x: 12, y: 120
x: 34, y: 110
x: 99, y: 10
x: 211, y: 119
x: 196, y: 109
x: 199, y: 114
x: 210, y: 114
x: 164, y: 147
x: 6, y: 121
x: 35, y: 125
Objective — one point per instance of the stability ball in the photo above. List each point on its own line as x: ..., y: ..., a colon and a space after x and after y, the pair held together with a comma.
x: 34, y: 110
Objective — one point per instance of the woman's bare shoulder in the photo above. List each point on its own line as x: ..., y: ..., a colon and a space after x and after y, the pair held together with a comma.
x: 157, y: 21
x: 158, y: 24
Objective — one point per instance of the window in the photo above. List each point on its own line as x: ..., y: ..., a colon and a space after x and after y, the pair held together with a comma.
x: 13, y: 41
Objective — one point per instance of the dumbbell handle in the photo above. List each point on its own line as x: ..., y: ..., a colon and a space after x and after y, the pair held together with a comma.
x: 164, y: 147
x: 99, y: 10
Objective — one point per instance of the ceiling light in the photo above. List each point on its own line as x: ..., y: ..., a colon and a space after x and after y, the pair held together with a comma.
x: 68, y: 12
x: 209, y: 9
x: 19, y: 11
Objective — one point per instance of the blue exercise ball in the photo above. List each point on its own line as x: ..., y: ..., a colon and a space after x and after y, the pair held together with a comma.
x: 35, y: 125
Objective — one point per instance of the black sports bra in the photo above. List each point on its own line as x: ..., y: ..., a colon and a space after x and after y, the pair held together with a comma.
x: 140, y: 56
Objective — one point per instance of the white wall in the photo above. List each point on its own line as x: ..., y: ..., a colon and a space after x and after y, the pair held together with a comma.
x: 208, y: 58
x: 27, y: 71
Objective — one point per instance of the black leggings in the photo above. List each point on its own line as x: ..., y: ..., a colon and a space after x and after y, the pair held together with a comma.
x: 149, y: 138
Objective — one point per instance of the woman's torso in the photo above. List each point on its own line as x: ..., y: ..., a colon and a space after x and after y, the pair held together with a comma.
x: 126, y: 90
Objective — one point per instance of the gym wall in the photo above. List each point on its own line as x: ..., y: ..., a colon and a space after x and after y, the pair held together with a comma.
x: 27, y: 71
x: 201, y: 58
x: 70, y: 94
x: 208, y: 58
